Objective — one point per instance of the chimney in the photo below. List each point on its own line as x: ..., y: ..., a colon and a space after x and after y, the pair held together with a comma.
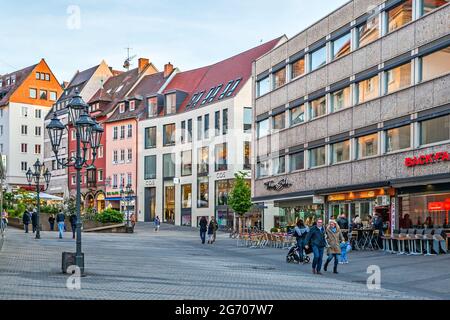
x: 168, y: 68
x: 143, y: 63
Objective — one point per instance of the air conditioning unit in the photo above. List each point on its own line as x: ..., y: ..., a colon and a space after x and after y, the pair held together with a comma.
x: 383, y: 201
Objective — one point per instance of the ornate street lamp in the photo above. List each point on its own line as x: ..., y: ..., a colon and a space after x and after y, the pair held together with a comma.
x: 88, y: 135
x: 35, y: 177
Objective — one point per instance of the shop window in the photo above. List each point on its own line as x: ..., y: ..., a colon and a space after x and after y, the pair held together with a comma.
x: 223, y: 189
x: 221, y: 157
x: 203, y: 160
x: 341, y: 46
x: 340, y: 152
x: 169, y: 203
x: 279, y: 165
x: 368, y: 146
x: 297, y: 161
x: 398, y: 138
x: 248, y: 120
x: 430, y: 5
x: 169, y: 165
x: 263, y: 128
x: 341, y: 99
x: 317, y: 157
x: 318, y: 108
x: 369, y: 31
x: 398, y: 78
x: 150, y: 167
x: 263, y: 86
x: 368, y: 89
x: 263, y: 169
x: 150, y: 138
x: 279, y: 78
x: 435, y: 130
x: 279, y: 121
x: 436, y: 64
x: 399, y: 15
x: 297, y: 115
x: 247, y: 155
x: 203, y: 193
x: 318, y: 58
x: 169, y: 135
x: 298, y: 68
x: 424, y: 211
x: 186, y: 196
x: 186, y: 163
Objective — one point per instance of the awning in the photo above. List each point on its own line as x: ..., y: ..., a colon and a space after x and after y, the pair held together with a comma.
x: 46, y: 196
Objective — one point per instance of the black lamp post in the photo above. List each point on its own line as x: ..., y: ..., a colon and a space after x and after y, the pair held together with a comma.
x: 88, y: 134
x: 40, y: 172
x: 126, y: 195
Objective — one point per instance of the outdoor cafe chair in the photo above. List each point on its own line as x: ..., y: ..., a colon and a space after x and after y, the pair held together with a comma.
x: 412, y: 247
x: 439, y: 243
x: 428, y: 238
x: 401, y: 240
x: 419, y: 240
x: 387, y: 243
x: 375, y: 239
x: 354, y: 240
x: 395, y: 245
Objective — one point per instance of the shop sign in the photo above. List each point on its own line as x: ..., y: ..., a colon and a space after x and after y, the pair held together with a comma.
x: 393, y: 214
x: 150, y: 183
x: 427, y: 159
x: 281, y: 185
x: 318, y: 200
x: 439, y: 206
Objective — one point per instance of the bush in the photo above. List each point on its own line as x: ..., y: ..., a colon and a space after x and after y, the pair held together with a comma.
x: 110, y: 216
x: 20, y: 209
x: 274, y: 230
x: 13, y: 213
x: 49, y: 209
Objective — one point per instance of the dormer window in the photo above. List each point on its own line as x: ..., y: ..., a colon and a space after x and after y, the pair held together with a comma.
x: 152, y: 107
x: 208, y: 96
x: 225, y: 91
x: 171, y: 103
x: 200, y: 95
x: 121, y: 107
x: 233, y: 88
x: 214, y: 94
x: 132, y: 105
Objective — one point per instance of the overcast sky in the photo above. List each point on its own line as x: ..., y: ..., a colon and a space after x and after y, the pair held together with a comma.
x: 75, y: 35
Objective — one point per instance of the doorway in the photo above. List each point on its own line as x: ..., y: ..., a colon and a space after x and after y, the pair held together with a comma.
x: 150, y: 204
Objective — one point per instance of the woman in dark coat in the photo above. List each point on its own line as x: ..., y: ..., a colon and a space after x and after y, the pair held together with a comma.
x: 26, y: 219
x: 203, y: 227
x: 211, y: 229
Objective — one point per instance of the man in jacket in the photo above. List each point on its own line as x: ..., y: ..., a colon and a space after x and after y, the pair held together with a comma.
x: 26, y: 219
x: 378, y: 225
x: 73, y: 224
x: 34, y: 220
x: 203, y: 228
x: 316, y: 239
x: 342, y: 222
x: 60, y: 217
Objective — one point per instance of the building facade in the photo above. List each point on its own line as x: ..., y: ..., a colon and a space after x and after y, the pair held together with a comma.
x: 26, y: 97
x: 352, y: 116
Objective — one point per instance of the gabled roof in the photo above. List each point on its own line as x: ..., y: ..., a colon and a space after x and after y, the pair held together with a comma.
x: 7, y: 91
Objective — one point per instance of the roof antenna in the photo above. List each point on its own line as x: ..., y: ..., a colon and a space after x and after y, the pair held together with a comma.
x: 127, y: 62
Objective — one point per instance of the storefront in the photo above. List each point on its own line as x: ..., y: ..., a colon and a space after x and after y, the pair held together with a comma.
x: 169, y: 202
x: 224, y: 214
x: 293, y: 210
x: 186, y: 205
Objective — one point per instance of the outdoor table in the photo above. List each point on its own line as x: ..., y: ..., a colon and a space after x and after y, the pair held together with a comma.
x: 365, y: 238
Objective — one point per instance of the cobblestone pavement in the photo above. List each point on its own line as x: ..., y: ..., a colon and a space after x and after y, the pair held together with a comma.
x: 174, y: 265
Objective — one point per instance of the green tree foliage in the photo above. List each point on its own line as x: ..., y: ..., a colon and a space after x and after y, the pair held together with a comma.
x: 110, y: 216
x: 240, y: 198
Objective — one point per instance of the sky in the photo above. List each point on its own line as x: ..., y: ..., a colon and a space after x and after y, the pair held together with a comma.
x: 76, y: 35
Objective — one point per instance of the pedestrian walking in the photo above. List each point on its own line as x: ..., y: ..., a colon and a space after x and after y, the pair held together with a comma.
x: 133, y: 220
x: 345, y: 248
x: 300, y: 233
x: 157, y: 223
x: 316, y: 239
x: 34, y: 220
x: 4, y: 220
x: 60, y: 217
x: 73, y: 223
x: 212, y: 227
x: 215, y: 228
x: 334, y: 239
x: 26, y: 219
x: 342, y: 222
x: 203, y: 228
x: 51, y: 221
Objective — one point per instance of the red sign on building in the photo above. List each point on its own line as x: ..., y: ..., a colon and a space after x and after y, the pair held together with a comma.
x: 427, y: 159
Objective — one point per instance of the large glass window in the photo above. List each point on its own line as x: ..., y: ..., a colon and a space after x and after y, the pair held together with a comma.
x: 435, y: 130
x: 199, y: 128
x: 263, y: 86
x: 186, y: 196
x: 203, y: 160
x: 436, y: 64
x: 221, y: 157
x: 225, y: 122
x: 223, y: 188
x: 279, y: 78
x: 317, y: 157
x: 340, y: 152
x: 318, y: 108
x: 318, y: 58
x: 263, y: 128
x: 279, y: 165
x: 189, y: 130
x: 186, y: 163
x: 298, y: 68
x: 297, y: 161
x: 298, y: 115
x: 279, y: 121
x: 169, y: 165
x: 150, y: 167
x: 341, y: 99
x: 171, y: 103
x: 398, y: 138
x: 369, y: 31
x: 203, y: 192
x: 169, y: 134
x: 368, y: 89
x: 248, y: 119
x: 217, y: 123
x: 368, y: 146
x: 206, y: 130
x: 398, y: 78
x: 247, y: 155
x: 430, y: 5
x: 263, y: 168
x: 399, y: 15
x: 183, y: 132
x: 341, y: 46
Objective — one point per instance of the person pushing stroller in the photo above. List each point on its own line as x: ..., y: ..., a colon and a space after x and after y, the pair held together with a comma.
x: 300, y: 232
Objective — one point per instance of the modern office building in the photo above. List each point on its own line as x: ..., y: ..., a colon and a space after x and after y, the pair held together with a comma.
x: 353, y: 116
x: 195, y: 136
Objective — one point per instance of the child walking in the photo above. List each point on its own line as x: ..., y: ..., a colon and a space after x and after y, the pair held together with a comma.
x: 343, y: 258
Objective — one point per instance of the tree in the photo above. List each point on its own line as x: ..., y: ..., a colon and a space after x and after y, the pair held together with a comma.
x: 240, y: 198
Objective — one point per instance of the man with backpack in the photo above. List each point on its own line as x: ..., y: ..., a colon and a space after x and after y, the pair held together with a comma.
x: 300, y: 233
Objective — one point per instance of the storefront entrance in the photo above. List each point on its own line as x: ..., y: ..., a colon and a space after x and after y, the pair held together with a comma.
x: 150, y: 202
x: 169, y: 203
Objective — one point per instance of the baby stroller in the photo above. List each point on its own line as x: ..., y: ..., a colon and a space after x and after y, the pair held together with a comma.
x: 294, y: 257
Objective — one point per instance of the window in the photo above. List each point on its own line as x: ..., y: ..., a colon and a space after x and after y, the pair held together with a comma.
x: 318, y: 108
x: 225, y: 91
x: 221, y: 157
x: 341, y: 46
x: 122, y: 132
x: 279, y: 78
x: 130, y: 155
x: 122, y: 156
x: 24, y: 166
x: 435, y: 130
x: 130, y: 179
x: 189, y: 130
x: 297, y: 115
x: 317, y: 157
x: 199, y: 128
x: 247, y: 155
x: 171, y: 103
x: 203, y: 160
x: 37, y: 131
x: 263, y: 86
x: 398, y: 78
x: 197, y: 99
x: 152, y: 107
x: 436, y: 64
x: 233, y: 88
x: 368, y: 146
x: 208, y: 96
x: 53, y: 96
x: 399, y: 15
x: 54, y: 166
x: 38, y: 113
x: 263, y: 128
x: 37, y: 149
x: 368, y: 89
x: 248, y: 119
x: 43, y: 94
x: 430, y: 5
x: 298, y: 68
x: 100, y: 175
x: 318, y: 58
x: 24, y: 112
x: 100, y: 152
x: 24, y: 148
x: 115, y: 181
x: 33, y: 93
x: 115, y: 133
x: 206, y: 130
x: 217, y: 123
x: 132, y: 105
x: 150, y: 167
x: 398, y: 138
x: 340, y: 152
x: 297, y: 161
x: 214, y: 94
x: 183, y: 132
x: 130, y: 131
x: 150, y: 138
x: 169, y: 165
x: 186, y: 163
x: 262, y: 169
x: 186, y: 196
x: 115, y: 157
x: 38, y: 75
x: 279, y: 121
x: 225, y: 122
x: 279, y: 165
x: 341, y: 99
x: 203, y: 192
x: 368, y: 32
x: 24, y: 130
